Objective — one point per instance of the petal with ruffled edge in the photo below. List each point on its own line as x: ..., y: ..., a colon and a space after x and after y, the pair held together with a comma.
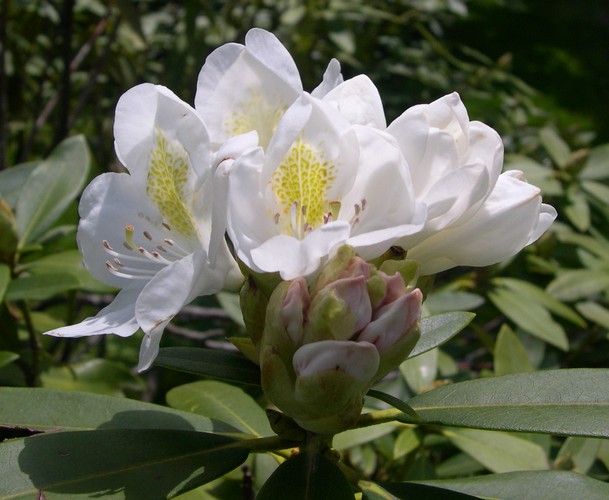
x: 511, y: 218
x: 247, y: 87
x: 164, y: 296
x: 358, y: 100
x: 117, y: 318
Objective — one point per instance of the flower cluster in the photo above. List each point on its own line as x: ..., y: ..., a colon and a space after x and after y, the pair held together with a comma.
x: 288, y: 178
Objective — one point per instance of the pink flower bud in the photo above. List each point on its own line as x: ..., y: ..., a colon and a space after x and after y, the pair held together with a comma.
x: 294, y: 309
x: 393, y: 321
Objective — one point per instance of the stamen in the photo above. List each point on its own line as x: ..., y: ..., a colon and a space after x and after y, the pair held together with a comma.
x: 147, y: 236
x: 138, y: 274
x: 357, y: 209
x: 119, y: 263
x: 363, y: 203
x: 107, y: 245
x: 276, y: 218
x: 166, y: 226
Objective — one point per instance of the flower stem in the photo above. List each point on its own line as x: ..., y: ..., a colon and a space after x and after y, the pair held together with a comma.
x: 378, y: 417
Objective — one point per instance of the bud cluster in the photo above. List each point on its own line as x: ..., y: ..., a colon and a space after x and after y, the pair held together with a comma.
x: 324, y: 343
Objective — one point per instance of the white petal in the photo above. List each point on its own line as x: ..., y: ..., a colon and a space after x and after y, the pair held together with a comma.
x: 358, y: 100
x: 332, y: 78
x: 360, y: 360
x: 243, y: 88
x: 145, y: 108
x: 165, y: 295
x: 506, y: 222
x: 118, y: 318
x: 292, y: 257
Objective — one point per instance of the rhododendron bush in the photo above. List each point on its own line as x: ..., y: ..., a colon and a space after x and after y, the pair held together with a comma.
x: 328, y: 233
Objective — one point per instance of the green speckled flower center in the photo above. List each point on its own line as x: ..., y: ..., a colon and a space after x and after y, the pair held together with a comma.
x: 300, y: 185
x: 257, y: 114
x: 167, y: 184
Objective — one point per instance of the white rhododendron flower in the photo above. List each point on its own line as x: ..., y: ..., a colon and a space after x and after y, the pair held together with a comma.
x: 147, y: 232
x: 476, y: 215
x: 244, y: 88
x: 320, y: 183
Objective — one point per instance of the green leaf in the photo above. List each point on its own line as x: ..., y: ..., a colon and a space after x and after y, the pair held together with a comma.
x: 530, y: 292
x: 395, y: 402
x: 223, y: 365
x: 41, y: 287
x: 578, y: 284
x: 426, y: 491
x: 230, y: 302
x: 221, y: 402
x: 555, y: 146
x: 373, y: 491
x: 5, y: 278
x: 9, y: 238
x: 567, y: 402
x: 544, y: 485
x: 421, y: 372
x: 530, y: 316
x: 597, y: 163
x: 51, y: 187
x: 125, y: 463
x: 510, y: 356
x: 307, y: 476
x: 596, y: 189
x: 535, y: 173
x: 447, y: 301
x: 577, y: 209
x: 45, y: 409
x: 594, y: 312
x: 578, y: 454
x: 354, y: 437
x: 438, y: 329
x: 95, y: 375
x: 499, y: 451
x: 408, y: 440
x: 7, y: 357
x: 13, y: 179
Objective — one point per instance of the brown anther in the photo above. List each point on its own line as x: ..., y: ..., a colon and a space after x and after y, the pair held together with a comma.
x: 118, y: 263
x: 166, y: 226
x: 169, y: 242
x: 141, y: 250
x: 162, y: 249
x: 107, y: 245
x: 110, y: 266
x: 147, y: 235
x: 276, y: 218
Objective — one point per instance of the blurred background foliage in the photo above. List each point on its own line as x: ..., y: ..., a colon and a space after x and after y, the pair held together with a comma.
x: 535, y: 70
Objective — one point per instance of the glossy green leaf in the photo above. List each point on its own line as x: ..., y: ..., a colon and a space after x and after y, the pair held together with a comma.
x: 530, y: 316
x: 307, y: 476
x: 499, y: 451
x: 230, y: 302
x: 557, y: 148
x: 594, y: 312
x: 578, y: 454
x: 597, y: 163
x: 510, y: 356
x: 354, y: 437
x: 223, y: 365
x: 9, y: 238
x: 373, y: 491
x: 222, y: 402
x: 438, y: 329
x: 577, y: 209
x: 578, y: 284
x: 448, y: 301
x: 530, y: 292
x: 124, y: 463
x: 567, y: 402
x: 408, y: 440
x: 395, y: 402
x: 460, y: 464
x: 535, y: 173
x: 423, y: 491
x: 595, y: 244
x: 95, y: 375
x: 5, y: 278
x: 421, y: 372
x: 51, y: 187
x: 541, y: 485
x: 7, y: 357
x: 45, y: 409
x: 41, y: 287
x: 13, y: 179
